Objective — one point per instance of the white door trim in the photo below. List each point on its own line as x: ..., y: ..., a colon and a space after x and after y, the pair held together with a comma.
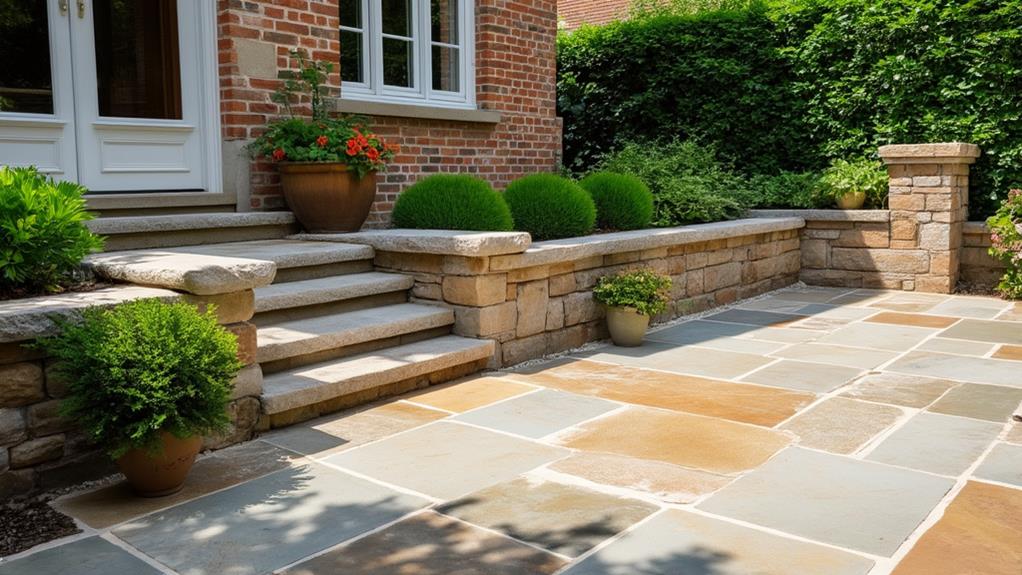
x: 210, y: 80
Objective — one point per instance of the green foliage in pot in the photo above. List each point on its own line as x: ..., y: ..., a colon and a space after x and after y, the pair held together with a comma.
x: 43, y: 237
x: 644, y: 290
x: 1006, y: 243
x: 623, y: 201
x: 452, y: 202
x: 550, y: 207
x: 845, y: 177
x: 144, y: 367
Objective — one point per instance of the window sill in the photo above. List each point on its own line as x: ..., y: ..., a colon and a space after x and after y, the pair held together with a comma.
x: 365, y: 108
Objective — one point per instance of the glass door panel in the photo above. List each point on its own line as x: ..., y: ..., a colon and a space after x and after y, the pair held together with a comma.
x: 25, y: 77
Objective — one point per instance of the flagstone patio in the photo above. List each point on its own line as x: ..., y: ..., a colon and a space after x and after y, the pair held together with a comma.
x: 811, y: 431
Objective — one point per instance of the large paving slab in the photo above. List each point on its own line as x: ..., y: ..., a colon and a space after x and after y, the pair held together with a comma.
x: 937, y: 443
x: 989, y: 331
x: 840, y: 425
x: 469, y: 394
x: 431, y: 544
x: 837, y: 355
x: 738, y: 402
x: 89, y: 556
x: 958, y: 346
x: 267, y: 523
x: 679, y: 438
x: 913, y: 319
x: 962, y: 368
x: 971, y: 307
x: 908, y: 302
x: 689, y: 360
x: 989, y: 402
x: 669, y: 483
x: 447, y: 460
x: 980, y: 532
x: 561, y: 518
x: 755, y: 317
x: 854, y: 504
x: 538, y: 414
x: 897, y: 389
x: 1003, y: 464
x: 683, y: 543
x: 879, y: 336
x: 804, y: 376
x: 1012, y: 352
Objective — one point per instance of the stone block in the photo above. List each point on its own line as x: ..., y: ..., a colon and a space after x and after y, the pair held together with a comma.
x: 718, y: 257
x: 935, y: 236
x: 36, y: 451
x: 414, y: 262
x: 903, y: 229
x: 694, y: 284
x: 485, y: 321
x: 428, y: 291
x: 725, y: 296
x: 675, y: 265
x: 248, y: 382
x: 695, y: 261
x: 907, y: 202
x: 56, y: 383
x: 588, y: 263
x: 722, y: 276
x: 12, y: 426
x: 44, y: 418
x: 926, y: 181
x: 906, y: 261
x: 865, y: 235
x: 532, y: 305
x: 815, y: 253
x: 244, y: 415
x: 822, y: 234
x: 230, y: 307
x: 17, y: 351
x: 555, y: 314
x: 564, y: 339
x: 16, y: 482
x: 654, y: 253
x: 562, y: 284
x: 247, y: 344
x: 475, y: 290
x: 580, y: 307
x: 512, y: 292
x: 21, y: 384
x: 621, y: 258
x: 462, y: 265
x: 934, y: 284
x: 938, y: 202
x: 528, y: 274
x: 519, y: 350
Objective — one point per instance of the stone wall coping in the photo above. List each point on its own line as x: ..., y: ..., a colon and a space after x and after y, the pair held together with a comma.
x: 29, y: 318
x: 443, y: 242
x: 571, y: 249
x: 198, y: 274
x: 949, y: 152
x: 177, y: 222
x: 975, y: 228
x: 826, y: 215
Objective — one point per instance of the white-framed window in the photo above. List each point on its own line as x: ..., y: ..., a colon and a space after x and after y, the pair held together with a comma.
x: 408, y: 51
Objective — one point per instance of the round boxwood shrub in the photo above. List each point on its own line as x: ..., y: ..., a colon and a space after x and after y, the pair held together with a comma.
x: 622, y: 201
x: 142, y: 368
x: 550, y: 207
x: 452, y: 202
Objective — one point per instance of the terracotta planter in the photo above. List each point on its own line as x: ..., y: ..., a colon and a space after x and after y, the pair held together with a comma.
x: 327, y: 197
x: 164, y: 473
x: 627, y: 326
x: 851, y: 200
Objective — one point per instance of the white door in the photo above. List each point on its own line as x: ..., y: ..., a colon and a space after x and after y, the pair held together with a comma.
x: 126, y: 83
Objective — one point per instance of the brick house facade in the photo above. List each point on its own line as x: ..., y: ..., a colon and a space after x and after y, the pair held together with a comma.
x: 573, y: 13
x: 513, y: 130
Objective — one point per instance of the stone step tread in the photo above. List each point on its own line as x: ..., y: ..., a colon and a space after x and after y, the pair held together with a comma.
x: 329, y: 289
x: 320, y: 382
x: 177, y: 222
x: 284, y: 253
x: 300, y: 337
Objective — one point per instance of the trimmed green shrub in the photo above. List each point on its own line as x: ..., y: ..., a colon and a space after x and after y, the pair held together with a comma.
x: 550, y: 207
x: 43, y: 237
x: 1006, y: 243
x: 787, y: 190
x: 452, y: 202
x: 144, y: 367
x: 644, y: 290
x: 622, y: 201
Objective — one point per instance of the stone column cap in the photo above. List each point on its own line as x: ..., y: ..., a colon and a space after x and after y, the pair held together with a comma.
x: 941, y: 153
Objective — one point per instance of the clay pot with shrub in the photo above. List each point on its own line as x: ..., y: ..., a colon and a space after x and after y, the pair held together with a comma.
x: 632, y: 298
x: 854, y: 184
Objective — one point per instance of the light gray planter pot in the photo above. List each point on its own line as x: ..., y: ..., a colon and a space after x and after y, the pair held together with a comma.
x: 627, y: 326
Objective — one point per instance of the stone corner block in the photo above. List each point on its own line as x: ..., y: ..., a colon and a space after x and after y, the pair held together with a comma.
x: 193, y: 273
x: 950, y: 152
x: 442, y: 242
x: 482, y: 290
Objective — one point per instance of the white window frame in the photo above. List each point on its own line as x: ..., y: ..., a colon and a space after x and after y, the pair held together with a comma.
x: 372, y: 88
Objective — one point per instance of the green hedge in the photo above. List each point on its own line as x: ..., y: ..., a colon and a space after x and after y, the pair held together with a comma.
x: 795, y: 85
x: 452, y: 202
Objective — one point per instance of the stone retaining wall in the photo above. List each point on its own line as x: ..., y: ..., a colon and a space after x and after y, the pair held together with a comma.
x: 979, y: 269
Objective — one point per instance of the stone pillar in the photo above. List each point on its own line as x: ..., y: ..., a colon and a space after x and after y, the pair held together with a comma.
x: 929, y: 203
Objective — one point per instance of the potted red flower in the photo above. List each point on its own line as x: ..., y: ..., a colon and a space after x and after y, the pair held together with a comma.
x: 327, y: 165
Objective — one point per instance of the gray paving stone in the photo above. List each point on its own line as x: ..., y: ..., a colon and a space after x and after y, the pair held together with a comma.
x: 815, y: 377
x: 698, y: 332
x: 959, y: 346
x: 837, y: 355
x: 974, y: 369
x: 1003, y: 463
x: 989, y: 402
x: 812, y: 294
x: 830, y: 498
x: 986, y: 330
x: 89, y: 556
x: 267, y: 523
x: 679, y: 542
x: 776, y: 305
x: 971, y: 307
x: 755, y: 317
x: 447, y: 460
x: 538, y: 414
x: 879, y: 336
x: 687, y: 360
x: 899, y: 389
x: 937, y: 443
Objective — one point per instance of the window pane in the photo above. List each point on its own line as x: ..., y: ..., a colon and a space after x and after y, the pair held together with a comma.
x: 137, y: 69
x: 443, y: 16
x: 25, y: 63
x: 397, y: 17
x: 351, y: 13
x: 351, y: 57
x: 397, y: 63
x: 446, y: 71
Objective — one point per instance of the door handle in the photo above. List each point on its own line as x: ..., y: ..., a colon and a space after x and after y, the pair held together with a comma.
x: 62, y: 4
x: 81, y: 8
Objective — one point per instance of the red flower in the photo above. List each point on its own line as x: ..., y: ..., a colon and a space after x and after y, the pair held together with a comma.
x: 279, y: 154
x: 352, y: 152
x: 322, y: 141
x: 373, y: 154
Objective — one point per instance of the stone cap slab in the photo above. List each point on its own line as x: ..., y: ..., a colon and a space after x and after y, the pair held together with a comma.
x: 189, y: 272
x: 30, y: 318
x: 178, y: 222
x: 441, y: 242
x: 826, y: 215
x: 571, y: 249
x: 976, y: 228
x: 954, y: 152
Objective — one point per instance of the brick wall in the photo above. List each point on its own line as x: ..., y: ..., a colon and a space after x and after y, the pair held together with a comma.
x: 574, y: 13
x: 515, y: 75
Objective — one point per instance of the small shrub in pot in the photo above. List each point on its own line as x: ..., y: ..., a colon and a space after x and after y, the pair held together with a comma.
x: 146, y: 380
x: 852, y: 184
x: 452, y: 202
x: 632, y: 298
x: 550, y: 207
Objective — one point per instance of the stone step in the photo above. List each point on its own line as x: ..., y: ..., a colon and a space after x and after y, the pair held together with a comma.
x: 311, y: 336
x: 295, y: 260
x: 328, y: 290
x: 310, y: 385
x: 162, y: 231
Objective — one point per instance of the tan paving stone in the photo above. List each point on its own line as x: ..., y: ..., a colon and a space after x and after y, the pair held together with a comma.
x: 909, y: 303
x: 115, y: 504
x: 1013, y: 352
x: 1014, y: 434
x: 667, y: 482
x: 1012, y: 314
x: 898, y: 389
x: 470, y: 394
x: 840, y: 425
x: 980, y: 532
x: 735, y: 401
x: 705, y: 443
x: 913, y: 319
x: 341, y: 432
x: 958, y: 346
